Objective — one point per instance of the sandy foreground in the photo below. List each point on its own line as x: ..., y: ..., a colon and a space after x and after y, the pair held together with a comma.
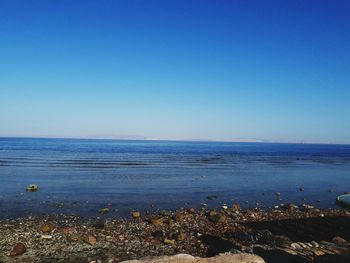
x: 285, y: 234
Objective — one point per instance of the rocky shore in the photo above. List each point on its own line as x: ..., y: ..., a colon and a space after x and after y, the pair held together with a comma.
x: 287, y: 233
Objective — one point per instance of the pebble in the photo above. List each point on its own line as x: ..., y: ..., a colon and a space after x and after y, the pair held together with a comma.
x: 181, y: 236
x: 179, y: 217
x: 295, y: 246
x: 235, y: 207
x: 91, y: 240
x: 109, y: 238
x: 157, y: 221
x: 314, y: 244
x: 136, y: 214
x: 225, y: 207
x: 47, y: 228
x: 192, y: 210
x: 32, y: 188
x: 212, y: 197
x: 104, y: 210
x: 46, y: 236
x: 307, y: 207
x: 339, y: 240
x: 18, y: 249
x: 169, y: 242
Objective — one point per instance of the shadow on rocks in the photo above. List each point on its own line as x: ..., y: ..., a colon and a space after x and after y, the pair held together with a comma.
x: 216, y: 245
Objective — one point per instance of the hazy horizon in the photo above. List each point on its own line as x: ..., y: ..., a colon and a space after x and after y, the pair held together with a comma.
x: 140, y: 138
x: 275, y: 71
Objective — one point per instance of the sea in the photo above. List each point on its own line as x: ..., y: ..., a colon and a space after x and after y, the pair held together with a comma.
x: 81, y: 176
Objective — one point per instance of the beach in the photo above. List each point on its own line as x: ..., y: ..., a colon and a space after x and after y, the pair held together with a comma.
x: 288, y: 234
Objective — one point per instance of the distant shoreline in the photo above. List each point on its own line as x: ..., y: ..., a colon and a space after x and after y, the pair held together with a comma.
x: 253, y: 141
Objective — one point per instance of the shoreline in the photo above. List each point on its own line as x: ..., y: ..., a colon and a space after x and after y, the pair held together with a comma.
x: 201, y: 233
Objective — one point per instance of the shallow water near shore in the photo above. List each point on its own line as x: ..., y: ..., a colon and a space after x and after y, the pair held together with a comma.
x: 81, y: 176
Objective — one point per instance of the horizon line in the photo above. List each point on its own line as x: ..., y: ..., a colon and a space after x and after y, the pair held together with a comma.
x: 140, y: 138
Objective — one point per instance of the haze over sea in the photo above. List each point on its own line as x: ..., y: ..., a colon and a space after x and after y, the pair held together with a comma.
x: 80, y: 176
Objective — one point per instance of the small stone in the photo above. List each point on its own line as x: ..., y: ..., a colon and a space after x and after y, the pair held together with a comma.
x: 169, y: 242
x: 314, y: 244
x: 192, y: 210
x: 32, y: 188
x: 308, y: 244
x: 166, y: 213
x: 104, y: 210
x: 289, y: 207
x: 181, y: 236
x: 318, y: 252
x: 277, y: 194
x: 302, y: 245
x: 339, y: 240
x: 136, y: 214
x: 179, y: 217
x: 46, y: 236
x: 225, y: 207
x: 47, y: 228
x: 109, y: 238
x: 18, y: 249
x: 90, y: 240
x: 212, y: 197
x: 295, y: 246
x: 235, y: 208
x: 212, y: 212
x: 74, y: 237
x: 157, y: 221
x: 306, y: 207
x: 218, y: 218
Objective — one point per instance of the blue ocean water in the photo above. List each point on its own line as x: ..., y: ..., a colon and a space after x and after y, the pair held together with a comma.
x: 81, y: 176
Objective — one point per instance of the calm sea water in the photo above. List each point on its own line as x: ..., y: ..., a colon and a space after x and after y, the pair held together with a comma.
x: 82, y: 176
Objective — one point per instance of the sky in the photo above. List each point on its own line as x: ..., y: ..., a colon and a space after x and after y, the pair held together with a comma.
x: 176, y: 69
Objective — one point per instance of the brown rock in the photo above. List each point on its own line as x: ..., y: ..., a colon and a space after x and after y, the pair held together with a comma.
x: 217, y: 218
x: 181, y: 236
x: 18, y: 249
x: 47, y: 228
x: 157, y: 221
x: 235, y: 207
x: 339, y: 240
x: 136, y: 214
x: 179, y: 217
x: 74, y: 237
x: 289, y: 207
x: 90, y: 240
x: 212, y: 213
x: 192, y: 210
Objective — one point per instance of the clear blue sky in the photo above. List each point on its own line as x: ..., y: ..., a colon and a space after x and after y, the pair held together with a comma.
x: 180, y: 69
